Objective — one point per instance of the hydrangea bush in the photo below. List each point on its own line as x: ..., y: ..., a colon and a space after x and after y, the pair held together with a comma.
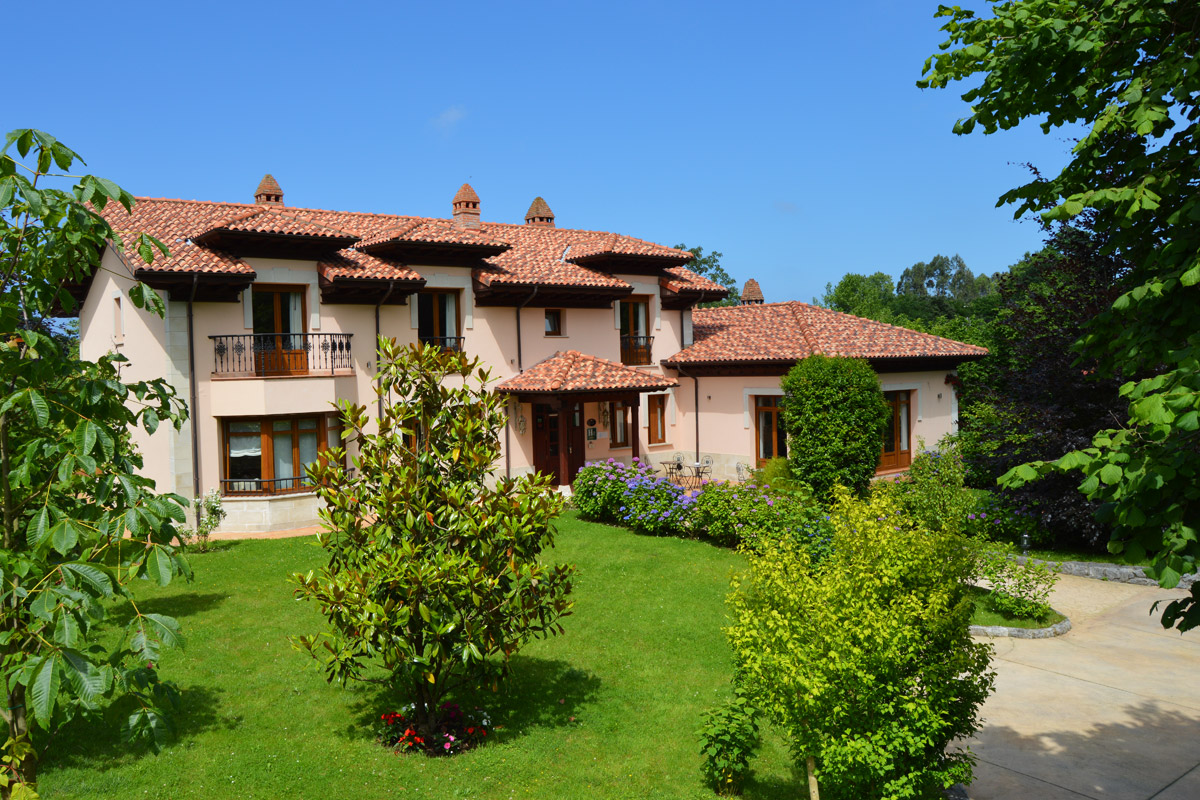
x: 633, y: 496
x: 730, y: 514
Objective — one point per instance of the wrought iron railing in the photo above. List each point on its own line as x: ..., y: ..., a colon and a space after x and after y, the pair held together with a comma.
x: 444, y: 342
x: 269, y: 354
x: 635, y: 350
x: 237, y: 486
x: 258, y: 486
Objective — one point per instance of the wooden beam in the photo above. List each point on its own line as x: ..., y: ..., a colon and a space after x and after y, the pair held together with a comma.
x: 634, y: 434
x: 564, y: 477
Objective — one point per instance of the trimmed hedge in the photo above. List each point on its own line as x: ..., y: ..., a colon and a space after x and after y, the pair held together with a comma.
x: 835, y: 415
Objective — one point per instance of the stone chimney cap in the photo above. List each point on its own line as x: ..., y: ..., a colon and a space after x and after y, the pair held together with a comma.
x: 466, y: 195
x: 268, y: 191
x: 539, y: 213
x: 751, y: 293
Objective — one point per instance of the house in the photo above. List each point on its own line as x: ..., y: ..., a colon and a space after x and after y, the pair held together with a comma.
x: 596, y: 338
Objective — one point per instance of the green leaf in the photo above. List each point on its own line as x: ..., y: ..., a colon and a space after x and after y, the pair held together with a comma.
x: 166, y: 629
x: 96, y: 577
x: 43, y: 689
x: 1191, y: 277
x: 64, y: 536
x: 41, y: 410
x: 1110, y: 474
x: 38, y: 529
x: 85, y: 678
x: 159, y: 567
x: 85, y: 437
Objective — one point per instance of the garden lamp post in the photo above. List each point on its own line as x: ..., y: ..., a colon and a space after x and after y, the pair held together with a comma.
x: 1025, y: 544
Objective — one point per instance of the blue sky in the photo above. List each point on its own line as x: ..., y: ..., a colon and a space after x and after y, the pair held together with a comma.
x: 788, y: 136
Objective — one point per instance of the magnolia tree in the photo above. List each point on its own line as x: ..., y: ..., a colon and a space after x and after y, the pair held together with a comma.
x: 434, y: 575
x: 78, y: 524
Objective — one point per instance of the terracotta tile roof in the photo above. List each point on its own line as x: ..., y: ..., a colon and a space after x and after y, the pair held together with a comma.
x: 572, y: 371
x: 780, y: 332
x: 614, y: 244
x: 275, y: 220
x: 682, y: 279
x: 433, y: 231
x: 538, y: 255
x: 353, y: 265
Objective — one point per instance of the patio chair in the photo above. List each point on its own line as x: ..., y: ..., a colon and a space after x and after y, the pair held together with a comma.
x: 704, y: 471
x: 673, y: 468
x: 744, y: 473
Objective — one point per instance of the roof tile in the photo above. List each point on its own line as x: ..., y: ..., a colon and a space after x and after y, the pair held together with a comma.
x: 572, y: 371
x: 793, y: 330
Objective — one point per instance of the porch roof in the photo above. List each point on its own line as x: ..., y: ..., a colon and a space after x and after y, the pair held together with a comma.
x: 572, y: 372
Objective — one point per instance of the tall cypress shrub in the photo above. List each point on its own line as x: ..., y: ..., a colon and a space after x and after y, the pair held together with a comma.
x: 835, y: 415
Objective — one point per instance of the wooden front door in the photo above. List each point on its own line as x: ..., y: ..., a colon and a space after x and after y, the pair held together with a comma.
x: 558, y: 440
x: 897, y: 449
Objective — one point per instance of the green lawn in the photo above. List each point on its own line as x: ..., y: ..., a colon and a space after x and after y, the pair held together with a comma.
x: 609, y: 710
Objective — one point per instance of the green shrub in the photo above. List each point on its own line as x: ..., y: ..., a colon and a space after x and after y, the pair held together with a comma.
x: 835, y: 415
x: 748, y: 515
x: 1019, y: 589
x: 632, y: 496
x: 865, y: 659
x: 777, y: 473
x: 933, y: 491
x: 728, y: 738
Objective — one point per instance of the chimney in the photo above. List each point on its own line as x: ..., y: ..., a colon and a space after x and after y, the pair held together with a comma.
x: 268, y: 192
x: 466, y: 207
x: 751, y: 294
x: 539, y: 213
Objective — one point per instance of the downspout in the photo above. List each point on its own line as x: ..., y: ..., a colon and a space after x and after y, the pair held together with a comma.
x: 192, y: 393
x: 520, y: 368
x: 386, y: 295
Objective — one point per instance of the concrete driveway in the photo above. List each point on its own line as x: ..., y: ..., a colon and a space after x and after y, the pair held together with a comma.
x: 1111, y: 710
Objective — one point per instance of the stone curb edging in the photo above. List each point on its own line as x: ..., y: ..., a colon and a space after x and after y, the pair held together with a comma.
x: 1103, y: 571
x: 956, y: 792
x: 996, y: 631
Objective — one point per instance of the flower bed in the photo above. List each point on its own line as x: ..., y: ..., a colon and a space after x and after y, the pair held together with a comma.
x: 452, y: 733
x: 729, y: 514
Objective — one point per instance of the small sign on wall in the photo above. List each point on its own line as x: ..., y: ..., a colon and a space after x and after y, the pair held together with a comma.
x: 591, y: 434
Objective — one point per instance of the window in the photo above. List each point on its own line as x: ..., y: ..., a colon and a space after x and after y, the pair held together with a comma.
x: 619, y: 425
x: 635, y: 343
x: 270, y: 455
x: 279, y: 326
x: 437, y: 319
x: 657, y: 422
x: 897, y: 450
x: 554, y: 322
x: 769, y: 436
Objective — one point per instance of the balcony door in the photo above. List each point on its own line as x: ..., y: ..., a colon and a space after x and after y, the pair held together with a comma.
x: 635, y: 339
x: 897, y: 449
x: 769, y: 435
x: 279, y: 341
x: 437, y: 319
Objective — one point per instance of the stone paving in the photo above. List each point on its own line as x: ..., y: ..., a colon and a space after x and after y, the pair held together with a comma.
x: 1110, y: 710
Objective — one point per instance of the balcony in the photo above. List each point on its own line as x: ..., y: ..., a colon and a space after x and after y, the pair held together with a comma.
x: 267, y: 355
x: 635, y: 350
x: 454, y: 343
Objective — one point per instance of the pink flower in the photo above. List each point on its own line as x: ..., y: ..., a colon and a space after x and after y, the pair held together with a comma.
x: 446, y: 745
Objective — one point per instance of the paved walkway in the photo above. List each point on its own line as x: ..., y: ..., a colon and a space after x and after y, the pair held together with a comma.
x: 1109, y: 711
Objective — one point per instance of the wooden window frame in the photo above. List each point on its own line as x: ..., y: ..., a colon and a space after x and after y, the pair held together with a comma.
x: 458, y: 323
x: 562, y: 316
x: 902, y: 456
x: 267, y: 450
x: 618, y: 415
x: 656, y: 411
